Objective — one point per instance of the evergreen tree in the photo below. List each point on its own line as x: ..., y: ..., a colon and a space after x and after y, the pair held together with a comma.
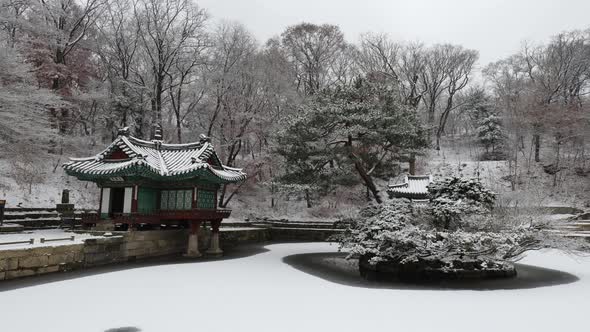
x: 362, y: 129
x: 490, y: 132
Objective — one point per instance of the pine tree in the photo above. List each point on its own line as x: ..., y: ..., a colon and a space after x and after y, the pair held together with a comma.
x: 349, y: 134
x: 490, y: 132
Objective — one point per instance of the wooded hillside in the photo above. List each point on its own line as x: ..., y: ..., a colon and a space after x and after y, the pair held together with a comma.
x: 308, y: 114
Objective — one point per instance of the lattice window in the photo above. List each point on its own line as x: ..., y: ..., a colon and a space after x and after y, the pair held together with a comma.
x: 188, y: 199
x: 180, y: 200
x: 164, y: 200
x: 176, y: 200
x: 171, y: 200
x: 206, y: 199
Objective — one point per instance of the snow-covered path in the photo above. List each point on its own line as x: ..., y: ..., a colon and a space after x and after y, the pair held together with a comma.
x: 262, y: 293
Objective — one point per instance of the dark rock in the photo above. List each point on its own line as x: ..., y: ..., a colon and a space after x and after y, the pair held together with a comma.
x: 432, y: 270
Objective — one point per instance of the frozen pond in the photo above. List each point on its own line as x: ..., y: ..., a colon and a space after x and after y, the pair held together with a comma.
x: 260, y: 292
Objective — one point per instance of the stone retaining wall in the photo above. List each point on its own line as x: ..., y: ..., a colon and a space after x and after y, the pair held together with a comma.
x: 27, y: 262
x: 303, y: 234
x: 93, y: 252
x: 129, y: 246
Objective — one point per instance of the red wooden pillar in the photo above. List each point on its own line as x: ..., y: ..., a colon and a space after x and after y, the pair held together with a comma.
x: 195, y: 227
x: 215, y: 226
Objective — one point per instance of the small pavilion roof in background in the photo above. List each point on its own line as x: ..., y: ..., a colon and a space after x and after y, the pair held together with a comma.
x: 130, y: 156
x: 414, y: 187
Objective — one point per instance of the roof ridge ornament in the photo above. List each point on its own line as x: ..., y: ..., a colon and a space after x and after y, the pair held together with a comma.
x: 123, y: 132
x: 204, y: 139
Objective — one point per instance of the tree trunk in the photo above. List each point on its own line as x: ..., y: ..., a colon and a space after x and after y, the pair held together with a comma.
x: 367, y: 179
x: 413, y: 164
x: 214, y: 118
x: 431, y: 111
x: 363, y: 172
x: 537, y: 144
x: 158, y: 101
x: 443, y: 121
x: 308, y: 198
x: 178, y: 130
x: 557, y: 160
x: 222, y: 196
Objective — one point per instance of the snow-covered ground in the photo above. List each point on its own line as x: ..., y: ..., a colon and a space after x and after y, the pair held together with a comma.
x: 262, y: 293
x: 48, y: 234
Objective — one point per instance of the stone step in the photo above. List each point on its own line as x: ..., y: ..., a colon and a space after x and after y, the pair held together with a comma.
x: 28, y: 209
x: 9, y: 228
x: 572, y: 232
x: 37, y: 218
x: 29, y: 215
x: 582, y: 225
x: 39, y: 223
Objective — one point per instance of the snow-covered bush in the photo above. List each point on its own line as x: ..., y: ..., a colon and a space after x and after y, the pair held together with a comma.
x: 457, y: 232
x: 396, y: 232
x: 452, y: 199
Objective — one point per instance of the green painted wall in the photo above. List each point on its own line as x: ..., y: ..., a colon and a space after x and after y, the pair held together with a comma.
x: 147, y: 200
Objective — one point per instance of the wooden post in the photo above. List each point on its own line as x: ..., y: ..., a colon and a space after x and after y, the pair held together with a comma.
x: 134, y: 201
x: 214, y: 249
x: 100, y: 204
x: 195, y: 193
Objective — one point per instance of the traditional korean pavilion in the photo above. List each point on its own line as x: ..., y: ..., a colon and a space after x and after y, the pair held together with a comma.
x: 415, y: 188
x: 150, y: 182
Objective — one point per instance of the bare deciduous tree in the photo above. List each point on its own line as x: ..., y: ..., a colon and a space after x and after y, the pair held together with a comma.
x: 312, y: 49
x: 168, y: 30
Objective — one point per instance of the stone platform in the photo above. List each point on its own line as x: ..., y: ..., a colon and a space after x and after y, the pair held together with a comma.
x: 120, y: 247
x: 11, y: 228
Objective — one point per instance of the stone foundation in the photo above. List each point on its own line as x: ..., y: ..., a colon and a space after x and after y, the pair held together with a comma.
x: 129, y: 246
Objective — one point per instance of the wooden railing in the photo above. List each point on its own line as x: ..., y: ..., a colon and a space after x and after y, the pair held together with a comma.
x: 159, y: 216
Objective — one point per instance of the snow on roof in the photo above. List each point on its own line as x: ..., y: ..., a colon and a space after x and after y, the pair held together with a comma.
x: 415, y: 186
x: 154, y: 159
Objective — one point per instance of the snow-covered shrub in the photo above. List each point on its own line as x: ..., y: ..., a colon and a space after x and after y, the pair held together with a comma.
x: 395, y: 232
x: 453, y: 198
x: 458, y: 232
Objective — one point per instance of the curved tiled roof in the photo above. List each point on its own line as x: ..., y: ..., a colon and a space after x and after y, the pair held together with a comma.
x: 155, y: 159
x: 415, y: 186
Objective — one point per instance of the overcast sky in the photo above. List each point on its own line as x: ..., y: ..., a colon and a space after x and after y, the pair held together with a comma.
x: 496, y: 28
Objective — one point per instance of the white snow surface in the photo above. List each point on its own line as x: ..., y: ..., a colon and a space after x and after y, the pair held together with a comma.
x: 261, y: 293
